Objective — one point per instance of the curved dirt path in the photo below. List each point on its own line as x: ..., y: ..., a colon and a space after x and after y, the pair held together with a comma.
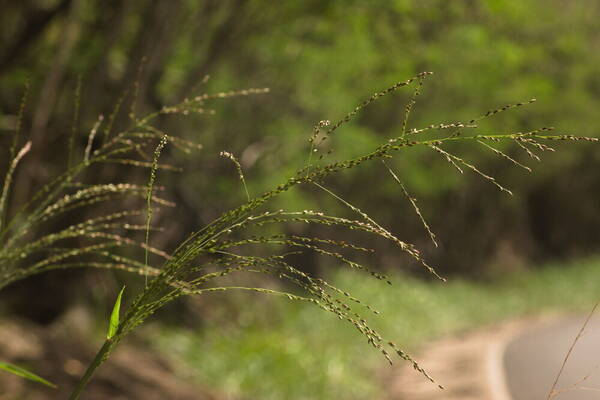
x: 468, y: 365
x: 533, y: 359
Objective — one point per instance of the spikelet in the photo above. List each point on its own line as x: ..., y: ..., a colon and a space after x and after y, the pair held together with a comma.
x: 238, y: 167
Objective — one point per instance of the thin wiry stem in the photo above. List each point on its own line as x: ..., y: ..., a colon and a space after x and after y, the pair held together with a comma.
x: 552, y: 393
x: 238, y: 167
x: 502, y: 154
x: 413, y: 202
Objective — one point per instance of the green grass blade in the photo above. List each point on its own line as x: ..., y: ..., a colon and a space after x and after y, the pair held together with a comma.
x: 23, y: 373
x: 114, y: 316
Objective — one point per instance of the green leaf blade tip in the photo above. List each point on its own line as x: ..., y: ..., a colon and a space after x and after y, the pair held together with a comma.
x: 23, y: 373
x: 114, y: 316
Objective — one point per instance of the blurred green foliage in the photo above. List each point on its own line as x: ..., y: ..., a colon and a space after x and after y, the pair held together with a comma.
x: 321, y: 58
x: 295, y: 351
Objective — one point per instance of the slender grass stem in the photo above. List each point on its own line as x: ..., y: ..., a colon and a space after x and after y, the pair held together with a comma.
x: 101, y: 356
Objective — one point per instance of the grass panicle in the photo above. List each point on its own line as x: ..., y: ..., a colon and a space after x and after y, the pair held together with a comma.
x: 191, y: 270
x: 23, y: 252
x: 235, y: 236
x: 149, y: 195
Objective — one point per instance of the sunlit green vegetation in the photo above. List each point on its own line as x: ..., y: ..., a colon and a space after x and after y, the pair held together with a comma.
x: 284, y: 350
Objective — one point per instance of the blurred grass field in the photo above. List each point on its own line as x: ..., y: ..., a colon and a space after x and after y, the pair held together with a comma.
x: 279, y: 349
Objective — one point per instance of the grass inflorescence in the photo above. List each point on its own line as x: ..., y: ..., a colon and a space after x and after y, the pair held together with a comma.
x: 228, y: 245
x: 209, y: 259
x: 265, y: 355
x: 93, y: 241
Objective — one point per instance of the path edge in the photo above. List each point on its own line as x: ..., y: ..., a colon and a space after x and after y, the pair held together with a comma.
x: 495, y: 368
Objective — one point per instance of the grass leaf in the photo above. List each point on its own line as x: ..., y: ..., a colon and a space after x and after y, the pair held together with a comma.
x: 23, y: 373
x: 114, y: 316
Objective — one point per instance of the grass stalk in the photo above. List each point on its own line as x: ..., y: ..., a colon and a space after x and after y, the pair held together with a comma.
x: 100, y: 357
